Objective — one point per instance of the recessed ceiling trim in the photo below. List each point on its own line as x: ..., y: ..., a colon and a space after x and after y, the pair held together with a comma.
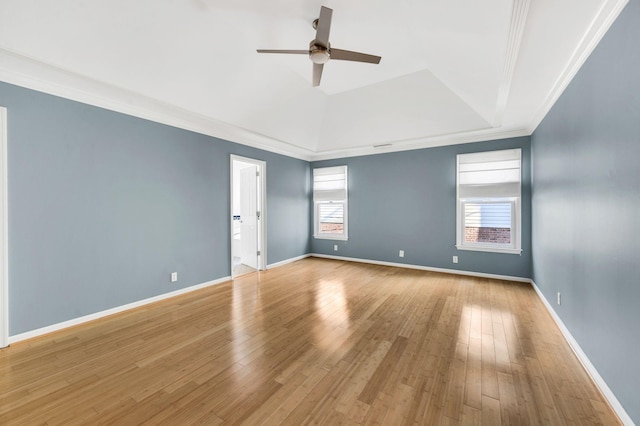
x: 429, y: 142
x: 26, y: 72
x: 22, y: 70
x: 32, y: 74
x: 601, y: 23
x: 519, y: 12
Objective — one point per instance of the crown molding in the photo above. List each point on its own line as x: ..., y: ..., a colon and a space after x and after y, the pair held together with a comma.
x: 480, y: 135
x: 519, y: 12
x: 32, y: 74
x: 600, y: 24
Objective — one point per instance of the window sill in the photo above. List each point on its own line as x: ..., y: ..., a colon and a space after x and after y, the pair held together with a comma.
x: 331, y: 237
x: 490, y: 249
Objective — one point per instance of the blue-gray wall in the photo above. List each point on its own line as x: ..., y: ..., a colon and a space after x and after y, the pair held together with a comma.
x: 407, y: 201
x: 586, y: 207
x: 104, y: 206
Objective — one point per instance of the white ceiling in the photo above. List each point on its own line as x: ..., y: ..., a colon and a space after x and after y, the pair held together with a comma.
x: 451, y: 72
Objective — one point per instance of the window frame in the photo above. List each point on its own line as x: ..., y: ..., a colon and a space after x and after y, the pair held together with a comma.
x: 516, y: 218
x: 327, y: 235
x: 513, y: 248
x: 344, y: 236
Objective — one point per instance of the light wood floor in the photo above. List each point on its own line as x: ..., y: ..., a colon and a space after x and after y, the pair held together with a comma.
x: 316, y: 341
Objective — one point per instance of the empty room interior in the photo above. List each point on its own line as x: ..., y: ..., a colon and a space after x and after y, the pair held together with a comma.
x: 415, y: 217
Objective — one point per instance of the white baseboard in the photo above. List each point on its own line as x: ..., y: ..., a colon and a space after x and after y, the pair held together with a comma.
x: 424, y: 268
x: 284, y: 262
x: 586, y: 363
x: 80, y: 320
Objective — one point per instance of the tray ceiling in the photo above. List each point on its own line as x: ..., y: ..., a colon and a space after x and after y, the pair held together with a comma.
x: 451, y: 72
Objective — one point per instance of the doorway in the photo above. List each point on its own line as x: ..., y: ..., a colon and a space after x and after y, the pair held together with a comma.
x: 247, y: 215
x: 4, y: 276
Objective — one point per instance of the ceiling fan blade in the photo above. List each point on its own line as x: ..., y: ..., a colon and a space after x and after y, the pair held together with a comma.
x: 324, y: 26
x: 317, y: 74
x: 348, y: 55
x: 295, y: 52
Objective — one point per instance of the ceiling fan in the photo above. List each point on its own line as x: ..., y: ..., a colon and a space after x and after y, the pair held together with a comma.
x: 320, y: 50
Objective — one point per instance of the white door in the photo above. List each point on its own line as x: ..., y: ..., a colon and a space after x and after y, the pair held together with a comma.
x: 248, y: 216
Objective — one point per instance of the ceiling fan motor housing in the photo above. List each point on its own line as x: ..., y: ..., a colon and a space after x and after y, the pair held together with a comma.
x: 319, y: 54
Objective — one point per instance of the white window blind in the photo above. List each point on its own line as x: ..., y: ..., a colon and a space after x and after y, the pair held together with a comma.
x: 487, y: 215
x: 331, y: 213
x: 330, y: 183
x: 489, y: 174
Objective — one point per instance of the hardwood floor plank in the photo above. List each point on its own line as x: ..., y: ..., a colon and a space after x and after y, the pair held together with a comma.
x: 542, y: 396
x: 471, y: 416
x: 315, y: 341
x: 382, y: 372
x: 491, y: 411
x: 377, y: 412
x: 358, y: 412
x: 473, y: 379
x: 361, y: 372
x: 509, y: 412
x: 293, y: 399
x: 456, y: 383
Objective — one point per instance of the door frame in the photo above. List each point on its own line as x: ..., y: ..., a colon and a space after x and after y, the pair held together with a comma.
x: 4, y: 246
x: 262, y: 204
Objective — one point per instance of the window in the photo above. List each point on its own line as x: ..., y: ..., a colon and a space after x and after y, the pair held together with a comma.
x: 488, y: 205
x: 330, y: 202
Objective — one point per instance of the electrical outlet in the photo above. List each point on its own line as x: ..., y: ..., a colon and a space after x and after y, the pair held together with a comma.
x: 335, y: 247
x: 559, y: 299
x: 401, y: 253
x: 174, y: 277
x: 455, y: 259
